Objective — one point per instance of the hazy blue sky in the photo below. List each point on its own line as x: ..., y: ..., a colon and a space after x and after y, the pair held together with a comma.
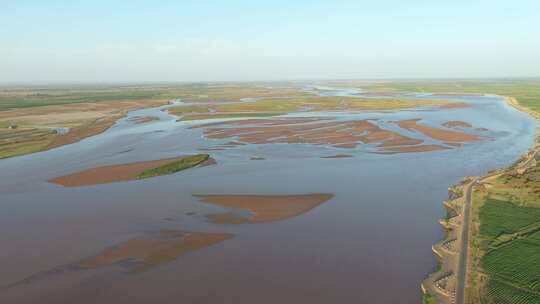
x: 249, y: 40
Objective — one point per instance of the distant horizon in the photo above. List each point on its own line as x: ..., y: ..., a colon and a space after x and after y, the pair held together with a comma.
x: 173, y: 82
x: 182, y: 41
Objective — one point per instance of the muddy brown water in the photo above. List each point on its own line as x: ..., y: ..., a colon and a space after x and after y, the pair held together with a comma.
x: 370, y: 243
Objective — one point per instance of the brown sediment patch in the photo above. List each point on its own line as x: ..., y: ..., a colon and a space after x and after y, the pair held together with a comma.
x: 110, y: 174
x: 401, y: 141
x: 338, y: 156
x: 439, y: 134
x: 147, y: 252
x: 263, y: 208
x: 419, y: 148
x: 143, y: 119
x: 457, y: 123
x: 234, y: 143
x: 455, y: 105
x: 209, y: 162
x: 341, y: 134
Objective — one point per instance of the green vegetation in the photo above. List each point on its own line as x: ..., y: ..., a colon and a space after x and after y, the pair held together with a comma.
x: 227, y: 115
x: 232, y: 92
x: 25, y: 97
x: 37, y: 98
x: 501, y: 217
x: 331, y: 103
x: 428, y: 299
x: 175, y: 166
x: 181, y: 110
x: 279, y: 106
x: 23, y: 141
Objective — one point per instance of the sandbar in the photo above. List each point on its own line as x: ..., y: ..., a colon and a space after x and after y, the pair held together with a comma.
x: 146, y: 252
x: 436, y: 133
x: 263, y: 208
x: 418, y: 148
x: 457, y: 123
x: 114, y: 173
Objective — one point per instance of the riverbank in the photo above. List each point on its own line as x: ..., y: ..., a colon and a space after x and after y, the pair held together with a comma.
x: 35, y: 129
x: 456, y: 279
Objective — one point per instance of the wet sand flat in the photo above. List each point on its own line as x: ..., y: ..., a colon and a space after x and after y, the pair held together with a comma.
x: 264, y: 208
x: 148, y: 252
x: 341, y: 134
x: 436, y: 133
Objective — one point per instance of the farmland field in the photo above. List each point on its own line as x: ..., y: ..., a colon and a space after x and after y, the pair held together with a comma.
x: 508, y: 243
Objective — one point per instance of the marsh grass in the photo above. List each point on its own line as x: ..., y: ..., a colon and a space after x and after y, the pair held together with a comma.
x: 175, y: 166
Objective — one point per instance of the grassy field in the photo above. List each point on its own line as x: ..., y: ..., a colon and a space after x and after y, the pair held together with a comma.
x: 35, y: 97
x: 26, y: 97
x: 173, y: 167
x: 226, y: 115
x: 233, y: 92
x: 23, y: 141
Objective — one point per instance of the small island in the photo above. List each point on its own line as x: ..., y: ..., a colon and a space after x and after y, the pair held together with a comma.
x: 132, y: 171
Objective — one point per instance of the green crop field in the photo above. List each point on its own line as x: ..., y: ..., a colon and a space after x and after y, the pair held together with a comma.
x: 509, y: 239
x: 37, y: 98
x: 500, y: 217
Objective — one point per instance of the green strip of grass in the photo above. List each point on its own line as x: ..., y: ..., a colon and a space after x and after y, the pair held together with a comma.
x: 428, y: 299
x: 175, y: 166
x: 228, y: 115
